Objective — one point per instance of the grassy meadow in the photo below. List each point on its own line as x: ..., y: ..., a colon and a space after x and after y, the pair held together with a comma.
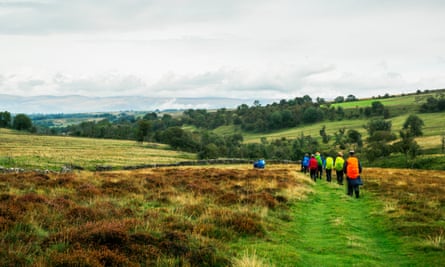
x: 404, y: 101
x: 29, y: 151
x: 433, y: 130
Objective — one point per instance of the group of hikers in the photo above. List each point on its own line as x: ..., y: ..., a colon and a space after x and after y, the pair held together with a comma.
x: 316, y: 163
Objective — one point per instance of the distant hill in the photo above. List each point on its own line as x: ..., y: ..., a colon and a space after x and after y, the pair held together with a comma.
x: 79, y: 104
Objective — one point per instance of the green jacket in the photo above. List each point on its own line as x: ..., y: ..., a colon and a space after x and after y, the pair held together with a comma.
x: 329, y: 163
x: 339, y: 163
x: 318, y: 158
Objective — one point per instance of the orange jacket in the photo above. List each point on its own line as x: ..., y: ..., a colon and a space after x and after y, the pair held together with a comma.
x: 353, y: 168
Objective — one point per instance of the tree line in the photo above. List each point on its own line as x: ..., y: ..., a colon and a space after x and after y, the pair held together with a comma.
x: 192, y: 130
x: 20, y: 122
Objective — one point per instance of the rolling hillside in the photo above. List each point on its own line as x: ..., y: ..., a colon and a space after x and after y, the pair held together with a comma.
x: 29, y: 151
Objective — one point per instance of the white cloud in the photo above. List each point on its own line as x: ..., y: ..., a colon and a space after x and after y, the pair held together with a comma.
x: 175, y: 48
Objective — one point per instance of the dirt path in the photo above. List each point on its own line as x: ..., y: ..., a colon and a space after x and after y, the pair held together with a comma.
x: 334, y: 229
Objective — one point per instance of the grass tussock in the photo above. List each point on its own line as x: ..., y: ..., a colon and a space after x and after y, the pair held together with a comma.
x: 155, y: 217
x: 250, y: 259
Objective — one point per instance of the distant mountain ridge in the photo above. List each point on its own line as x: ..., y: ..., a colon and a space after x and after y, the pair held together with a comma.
x: 49, y: 104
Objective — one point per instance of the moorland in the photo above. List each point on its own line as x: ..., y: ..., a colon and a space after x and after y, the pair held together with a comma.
x: 57, y: 209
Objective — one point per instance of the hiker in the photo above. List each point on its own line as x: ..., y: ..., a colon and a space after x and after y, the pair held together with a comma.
x: 329, y: 165
x: 338, y: 165
x: 320, y: 164
x: 353, y: 169
x: 305, y: 163
x: 313, y: 167
x: 259, y: 164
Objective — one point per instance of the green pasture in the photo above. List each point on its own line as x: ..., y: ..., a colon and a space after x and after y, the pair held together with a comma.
x: 433, y: 129
x: 18, y: 149
x: 404, y: 100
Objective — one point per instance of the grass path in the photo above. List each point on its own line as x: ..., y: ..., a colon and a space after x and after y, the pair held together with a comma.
x: 337, y: 230
x: 332, y: 229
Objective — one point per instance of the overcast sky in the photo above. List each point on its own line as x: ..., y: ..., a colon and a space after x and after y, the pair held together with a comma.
x: 226, y: 48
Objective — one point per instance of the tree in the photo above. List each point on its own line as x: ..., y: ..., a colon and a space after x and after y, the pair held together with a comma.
x: 22, y: 123
x: 143, y: 128
x: 340, y: 113
x: 378, y: 125
x: 386, y: 113
x: 377, y: 108
x: 150, y: 116
x: 351, y: 98
x: 354, y: 137
x: 307, y: 99
x: 413, y: 125
x: 324, y: 136
x: 5, y: 119
x: 340, y: 139
x: 339, y: 99
x: 377, y: 150
x: 210, y: 151
x: 312, y: 114
x: 275, y: 120
x: 408, y: 146
x: 379, y: 134
x: 321, y: 100
x: 433, y: 105
x: 178, y: 138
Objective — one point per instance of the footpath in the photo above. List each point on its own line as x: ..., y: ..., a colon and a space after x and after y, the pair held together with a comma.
x: 330, y: 228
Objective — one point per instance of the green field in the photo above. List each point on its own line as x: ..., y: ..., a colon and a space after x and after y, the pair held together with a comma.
x: 404, y: 100
x: 433, y: 130
x: 18, y: 149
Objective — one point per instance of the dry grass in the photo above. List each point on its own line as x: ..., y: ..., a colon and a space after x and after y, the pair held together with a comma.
x: 414, y: 201
x: 172, y: 216
x: 185, y: 215
x: 250, y: 259
x: 437, y: 241
x: 429, y: 142
x: 53, y: 152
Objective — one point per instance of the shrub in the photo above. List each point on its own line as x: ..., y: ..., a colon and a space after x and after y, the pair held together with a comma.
x: 242, y: 223
x: 206, y: 255
x: 88, y: 190
x: 97, y: 257
x: 228, y: 199
x: 261, y: 199
x: 174, y: 243
x: 119, y: 187
x: 83, y: 214
x: 32, y: 198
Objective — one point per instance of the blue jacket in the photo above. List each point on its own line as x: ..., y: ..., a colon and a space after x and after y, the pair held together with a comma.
x: 305, y: 161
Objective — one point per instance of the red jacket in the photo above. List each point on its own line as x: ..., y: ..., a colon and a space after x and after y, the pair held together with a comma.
x: 313, y: 164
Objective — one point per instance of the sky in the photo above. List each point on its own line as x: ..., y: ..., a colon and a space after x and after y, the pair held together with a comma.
x: 278, y: 49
